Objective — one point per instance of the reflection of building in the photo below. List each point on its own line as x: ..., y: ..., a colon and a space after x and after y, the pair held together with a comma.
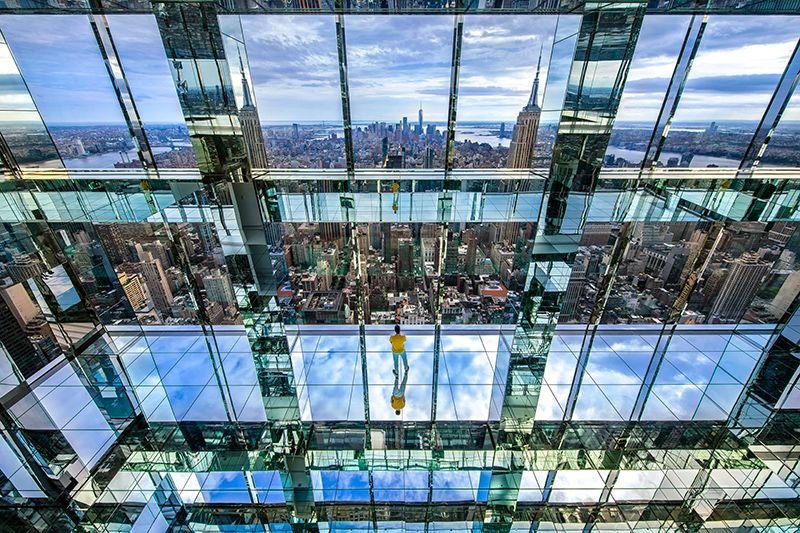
x: 740, y: 287
x: 134, y: 290
x: 24, y: 332
x: 218, y: 287
x: 24, y: 267
x: 523, y: 139
x: 251, y: 126
x: 786, y: 295
x: 323, y: 308
x: 575, y: 287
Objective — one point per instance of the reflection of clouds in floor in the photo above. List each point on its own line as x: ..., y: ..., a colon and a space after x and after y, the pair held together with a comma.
x: 174, y: 377
x: 578, y: 486
x: 594, y: 402
x: 269, y: 486
x: 381, y: 364
x: 409, y: 486
x: 418, y: 403
x: 456, y: 486
x: 333, y: 402
x: 334, y: 368
x: 671, y: 402
x: 531, y: 486
x: 70, y: 407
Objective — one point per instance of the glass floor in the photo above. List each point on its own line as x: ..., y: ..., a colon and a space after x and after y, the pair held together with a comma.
x: 698, y: 376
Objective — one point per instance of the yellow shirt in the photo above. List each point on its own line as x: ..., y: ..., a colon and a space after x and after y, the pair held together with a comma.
x: 395, y: 187
x: 398, y: 402
x: 398, y: 343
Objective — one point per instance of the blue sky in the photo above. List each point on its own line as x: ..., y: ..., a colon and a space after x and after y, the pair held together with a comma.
x: 394, y: 63
x: 737, y: 66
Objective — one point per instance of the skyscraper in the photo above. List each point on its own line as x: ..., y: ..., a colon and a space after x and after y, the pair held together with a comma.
x: 523, y: 138
x: 251, y: 125
x: 740, y: 287
x: 420, y: 119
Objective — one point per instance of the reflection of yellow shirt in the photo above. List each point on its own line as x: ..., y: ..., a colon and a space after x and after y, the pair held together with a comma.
x: 398, y: 343
x: 395, y: 187
x: 398, y: 402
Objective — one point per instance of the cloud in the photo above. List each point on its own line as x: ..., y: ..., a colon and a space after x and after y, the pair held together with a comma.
x: 62, y: 65
x: 735, y: 71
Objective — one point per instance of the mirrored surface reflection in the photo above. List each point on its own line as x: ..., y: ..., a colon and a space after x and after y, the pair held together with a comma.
x: 301, y: 68
x: 72, y: 89
x: 271, y: 328
x: 399, y: 101
x: 737, y: 67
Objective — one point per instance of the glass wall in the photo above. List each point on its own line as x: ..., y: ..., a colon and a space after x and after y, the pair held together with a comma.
x: 59, y: 57
x: 399, y: 93
x: 731, y: 81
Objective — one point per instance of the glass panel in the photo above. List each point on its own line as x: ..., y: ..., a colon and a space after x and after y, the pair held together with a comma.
x: 72, y: 89
x: 660, y: 41
x: 20, y: 122
x: 495, y: 102
x: 734, y: 74
x: 399, y: 96
x: 144, y: 61
x: 296, y: 86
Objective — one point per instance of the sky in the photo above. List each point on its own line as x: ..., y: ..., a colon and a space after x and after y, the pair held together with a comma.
x: 738, y: 64
x: 394, y: 64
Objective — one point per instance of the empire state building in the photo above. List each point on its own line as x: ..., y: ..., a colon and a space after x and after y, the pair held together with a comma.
x: 523, y: 139
x: 251, y: 126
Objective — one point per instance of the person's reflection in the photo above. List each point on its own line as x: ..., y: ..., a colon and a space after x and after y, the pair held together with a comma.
x: 395, y: 195
x: 399, y: 392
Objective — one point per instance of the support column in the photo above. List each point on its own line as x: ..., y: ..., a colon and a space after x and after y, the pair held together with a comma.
x: 605, y: 42
x: 193, y: 44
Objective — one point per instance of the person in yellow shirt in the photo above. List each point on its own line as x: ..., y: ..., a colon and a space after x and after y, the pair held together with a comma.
x: 395, y: 195
x: 399, y: 393
x: 398, y: 349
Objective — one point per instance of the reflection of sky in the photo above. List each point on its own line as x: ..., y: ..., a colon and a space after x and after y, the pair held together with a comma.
x: 228, y: 487
x: 71, y: 408
x: 471, y: 379
x: 400, y: 486
x: 141, y: 52
x: 61, y: 286
x: 294, y: 66
x: 700, y: 377
x: 734, y: 73
x: 498, y: 64
x: 396, y: 62
x: 59, y: 59
x: 174, y: 377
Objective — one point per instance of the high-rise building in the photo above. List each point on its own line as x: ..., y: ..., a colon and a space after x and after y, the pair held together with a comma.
x: 251, y: 125
x: 471, y: 240
x: 523, y: 138
x: 156, y: 280
x: 741, y: 285
x: 430, y: 153
x: 419, y: 129
x: 25, y: 266
x: 218, y: 287
x: 133, y: 288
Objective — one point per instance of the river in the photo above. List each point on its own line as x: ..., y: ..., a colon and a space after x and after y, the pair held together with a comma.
x: 106, y: 160
x: 635, y: 156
